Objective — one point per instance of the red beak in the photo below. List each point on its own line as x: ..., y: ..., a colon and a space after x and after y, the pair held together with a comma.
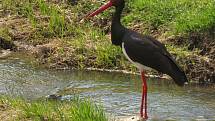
x: 102, y: 8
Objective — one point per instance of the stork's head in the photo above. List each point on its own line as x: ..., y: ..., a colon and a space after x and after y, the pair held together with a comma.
x: 117, y: 2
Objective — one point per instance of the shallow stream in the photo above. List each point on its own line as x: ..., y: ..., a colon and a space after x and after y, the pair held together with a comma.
x: 118, y: 93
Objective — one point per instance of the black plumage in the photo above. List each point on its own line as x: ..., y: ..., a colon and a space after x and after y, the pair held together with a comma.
x: 145, y: 49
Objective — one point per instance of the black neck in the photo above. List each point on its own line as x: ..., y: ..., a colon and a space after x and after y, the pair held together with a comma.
x: 117, y: 29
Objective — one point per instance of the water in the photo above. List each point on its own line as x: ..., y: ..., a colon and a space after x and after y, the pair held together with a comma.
x: 120, y: 94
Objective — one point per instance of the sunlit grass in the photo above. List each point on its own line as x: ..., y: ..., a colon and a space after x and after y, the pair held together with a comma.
x: 178, y: 16
x: 92, y: 44
x: 74, y: 110
x: 44, y: 8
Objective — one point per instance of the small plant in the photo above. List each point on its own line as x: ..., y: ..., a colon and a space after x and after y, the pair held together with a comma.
x: 57, y: 22
x: 44, y: 8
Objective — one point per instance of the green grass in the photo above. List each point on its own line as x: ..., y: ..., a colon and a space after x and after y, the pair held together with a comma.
x: 29, y: 9
x: 177, y: 16
x: 40, y: 110
x: 94, y: 47
x: 86, y: 45
x: 4, y: 32
x: 44, y: 8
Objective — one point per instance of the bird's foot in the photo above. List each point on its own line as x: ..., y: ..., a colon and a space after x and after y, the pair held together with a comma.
x: 142, y: 118
x: 134, y: 118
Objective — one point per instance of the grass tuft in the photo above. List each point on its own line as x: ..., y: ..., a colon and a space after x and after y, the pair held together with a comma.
x: 74, y: 110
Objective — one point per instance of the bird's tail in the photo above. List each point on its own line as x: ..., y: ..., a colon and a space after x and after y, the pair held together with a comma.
x: 180, y: 78
x: 177, y: 74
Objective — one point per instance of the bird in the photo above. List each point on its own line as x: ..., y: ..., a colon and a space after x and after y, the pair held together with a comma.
x: 141, y: 50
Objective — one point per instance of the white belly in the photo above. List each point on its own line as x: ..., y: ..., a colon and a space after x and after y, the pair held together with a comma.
x: 138, y: 65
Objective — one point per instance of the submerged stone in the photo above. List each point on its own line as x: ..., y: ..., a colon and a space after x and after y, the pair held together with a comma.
x: 6, y: 44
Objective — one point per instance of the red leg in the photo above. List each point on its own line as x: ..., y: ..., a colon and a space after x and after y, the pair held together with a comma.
x: 144, y: 96
x: 142, y: 101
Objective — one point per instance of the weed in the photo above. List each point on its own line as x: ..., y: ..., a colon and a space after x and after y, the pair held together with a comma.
x: 4, y: 32
x: 44, y: 8
x: 57, y: 22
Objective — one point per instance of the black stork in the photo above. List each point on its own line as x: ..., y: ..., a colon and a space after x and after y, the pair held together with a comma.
x: 141, y: 50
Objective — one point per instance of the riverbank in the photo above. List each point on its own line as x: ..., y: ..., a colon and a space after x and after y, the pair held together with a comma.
x: 52, y: 33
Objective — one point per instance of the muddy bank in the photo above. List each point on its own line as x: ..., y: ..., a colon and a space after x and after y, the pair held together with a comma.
x: 197, y: 67
x: 55, y: 53
x: 200, y: 66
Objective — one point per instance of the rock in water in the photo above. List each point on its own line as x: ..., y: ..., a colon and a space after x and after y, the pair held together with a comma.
x: 6, y: 44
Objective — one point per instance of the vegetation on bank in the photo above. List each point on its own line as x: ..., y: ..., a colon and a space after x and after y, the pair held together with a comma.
x: 83, y: 45
x: 173, y: 16
x: 50, y: 110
